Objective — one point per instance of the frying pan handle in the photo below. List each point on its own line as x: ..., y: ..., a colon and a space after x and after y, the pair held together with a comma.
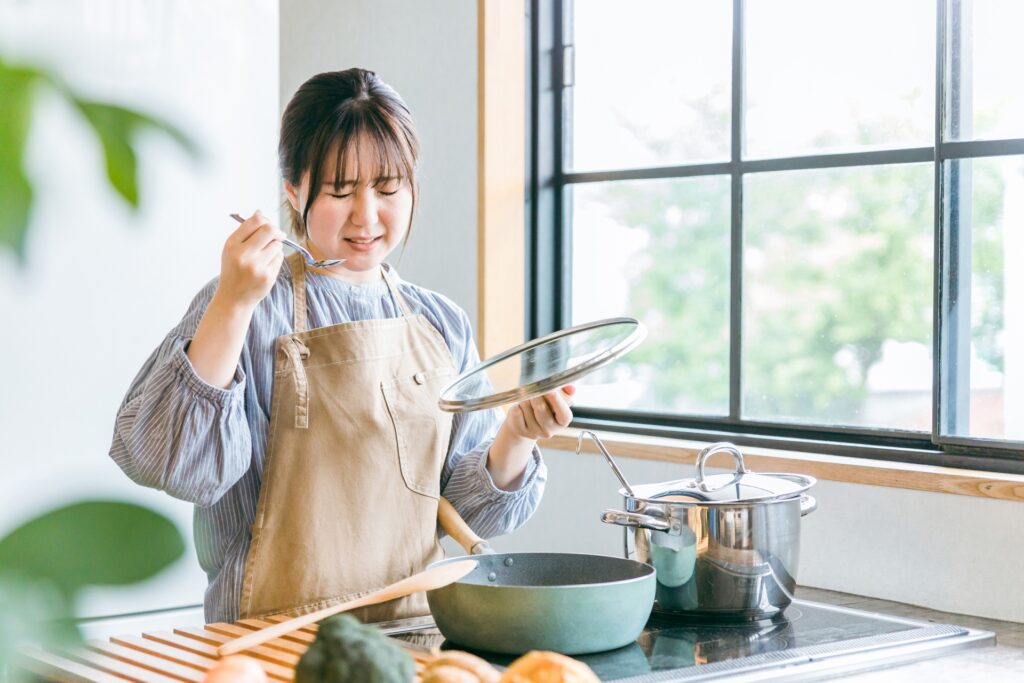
x: 453, y: 524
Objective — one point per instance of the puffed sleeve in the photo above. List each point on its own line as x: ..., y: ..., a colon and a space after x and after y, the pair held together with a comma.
x: 465, y: 482
x: 177, y: 433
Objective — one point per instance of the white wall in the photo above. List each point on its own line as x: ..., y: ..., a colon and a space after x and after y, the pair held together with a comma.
x: 427, y: 51
x: 102, y: 287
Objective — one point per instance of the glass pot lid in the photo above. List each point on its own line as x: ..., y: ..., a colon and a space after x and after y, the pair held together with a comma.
x: 542, y: 365
x: 740, y: 486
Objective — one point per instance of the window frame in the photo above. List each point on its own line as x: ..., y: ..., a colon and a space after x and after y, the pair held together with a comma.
x: 549, y: 253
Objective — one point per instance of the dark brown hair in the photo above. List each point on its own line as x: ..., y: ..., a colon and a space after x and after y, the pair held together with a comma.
x: 331, y: 112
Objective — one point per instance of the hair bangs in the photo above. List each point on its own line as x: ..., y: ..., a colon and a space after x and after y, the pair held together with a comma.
x: 390, y: 155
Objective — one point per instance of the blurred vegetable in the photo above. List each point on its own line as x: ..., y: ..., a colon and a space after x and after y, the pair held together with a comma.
x: 236, y: 669
x: 347, y: 651
x: 548, y: 667
x: 454, y: 666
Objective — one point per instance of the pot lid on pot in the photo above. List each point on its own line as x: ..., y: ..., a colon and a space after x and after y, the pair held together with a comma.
x: 741, y: 486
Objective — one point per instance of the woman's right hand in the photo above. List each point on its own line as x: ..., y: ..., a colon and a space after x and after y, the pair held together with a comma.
x: 250, y: 261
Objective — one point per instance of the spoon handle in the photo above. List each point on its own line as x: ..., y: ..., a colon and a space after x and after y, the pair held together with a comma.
x: 325, y: 263
x: 607, y: 456
x: 284, y: 240
x: 296, y: 247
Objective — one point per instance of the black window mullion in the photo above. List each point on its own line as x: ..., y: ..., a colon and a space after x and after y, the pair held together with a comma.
x: 939, y: 250
x: 566, y: 82
x: 736, y: 219
x: 547, y: 230
x: 953, y: 219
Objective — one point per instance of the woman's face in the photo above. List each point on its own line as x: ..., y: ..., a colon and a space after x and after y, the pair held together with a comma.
x: 362, y: 221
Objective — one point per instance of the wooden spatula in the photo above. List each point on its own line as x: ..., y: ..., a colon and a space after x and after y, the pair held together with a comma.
x: 426, y: 580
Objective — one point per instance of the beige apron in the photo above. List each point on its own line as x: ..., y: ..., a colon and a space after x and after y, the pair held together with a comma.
x: 348, y: 501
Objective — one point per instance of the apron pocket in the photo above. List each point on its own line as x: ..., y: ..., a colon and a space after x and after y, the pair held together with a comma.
x: 422, y: 429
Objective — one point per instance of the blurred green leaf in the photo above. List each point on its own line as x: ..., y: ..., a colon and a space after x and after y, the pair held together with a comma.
x: 117, y: 129
x: 46, y: 561
x: 30, y: 612
x: 91, y: 543
x: 15, y: 203
x: 114, y: 127
x: 17, y: 85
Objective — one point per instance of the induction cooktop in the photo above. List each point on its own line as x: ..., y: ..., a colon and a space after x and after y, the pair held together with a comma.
x: 809, y: 641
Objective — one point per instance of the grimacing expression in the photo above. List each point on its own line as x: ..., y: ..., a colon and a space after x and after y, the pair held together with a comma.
x: 363, y: 219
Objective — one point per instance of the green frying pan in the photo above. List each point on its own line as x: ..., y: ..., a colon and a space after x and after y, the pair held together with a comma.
x: 564, y: 602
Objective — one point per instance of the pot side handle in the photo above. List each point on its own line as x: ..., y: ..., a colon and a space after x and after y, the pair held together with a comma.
x: 808, y: 504
x: 635, y: 519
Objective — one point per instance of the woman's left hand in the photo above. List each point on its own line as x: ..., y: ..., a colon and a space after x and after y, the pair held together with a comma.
x: 541, y: 417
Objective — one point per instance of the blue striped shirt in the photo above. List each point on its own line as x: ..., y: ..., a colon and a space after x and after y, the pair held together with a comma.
x: 207, y: 445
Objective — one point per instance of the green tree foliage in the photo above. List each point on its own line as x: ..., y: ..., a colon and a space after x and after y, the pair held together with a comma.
x: 679, y: 286
x: 989, y: 189
x: 843, y: 264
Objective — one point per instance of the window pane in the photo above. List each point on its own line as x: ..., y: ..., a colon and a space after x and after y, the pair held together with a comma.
x: 651, y: 83
x: 837, y: 296
x: 832, y: 76
x: 987, y: 392
x: 658, y: 251
x: 983, y: 65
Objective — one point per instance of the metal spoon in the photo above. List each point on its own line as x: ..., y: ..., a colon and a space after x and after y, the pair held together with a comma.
x: 324, y: 263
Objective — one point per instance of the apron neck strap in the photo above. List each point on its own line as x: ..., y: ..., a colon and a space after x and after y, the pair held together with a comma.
x: 298, y: 266
x: 389, y: 278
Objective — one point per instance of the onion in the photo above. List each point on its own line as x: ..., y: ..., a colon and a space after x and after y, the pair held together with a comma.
x: 236, y: 669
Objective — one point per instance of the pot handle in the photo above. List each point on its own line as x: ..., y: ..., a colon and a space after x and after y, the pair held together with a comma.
x: 808, y: 504
x: 635, y: 519
x: 713, y: 449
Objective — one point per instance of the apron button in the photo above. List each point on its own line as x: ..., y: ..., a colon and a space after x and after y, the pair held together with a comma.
x: 419, y: 378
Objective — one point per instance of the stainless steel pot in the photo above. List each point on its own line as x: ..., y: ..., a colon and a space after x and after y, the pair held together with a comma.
x: 724, y: 546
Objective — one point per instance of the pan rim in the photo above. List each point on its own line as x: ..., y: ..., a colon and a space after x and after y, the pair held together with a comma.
x: 647, y: 569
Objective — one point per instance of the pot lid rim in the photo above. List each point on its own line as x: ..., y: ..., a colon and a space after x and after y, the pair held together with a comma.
x: 655, y: 492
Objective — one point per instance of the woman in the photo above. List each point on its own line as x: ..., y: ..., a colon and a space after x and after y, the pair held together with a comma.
x: 296, y: 407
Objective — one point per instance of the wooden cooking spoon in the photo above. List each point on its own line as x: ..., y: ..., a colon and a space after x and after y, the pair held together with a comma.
x: 426, y: 580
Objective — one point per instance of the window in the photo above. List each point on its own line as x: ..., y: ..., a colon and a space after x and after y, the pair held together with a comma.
x: 817, y: 210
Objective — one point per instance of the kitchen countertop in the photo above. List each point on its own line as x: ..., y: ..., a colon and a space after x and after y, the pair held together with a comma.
x: 1004, y: 662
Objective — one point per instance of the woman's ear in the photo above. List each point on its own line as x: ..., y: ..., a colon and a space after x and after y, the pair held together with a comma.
x: 292, y: 193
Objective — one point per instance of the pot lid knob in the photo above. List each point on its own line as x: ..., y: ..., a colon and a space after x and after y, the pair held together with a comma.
x: 713, y: 449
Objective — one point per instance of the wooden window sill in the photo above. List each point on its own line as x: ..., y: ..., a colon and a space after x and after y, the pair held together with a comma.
x: 820, y: 465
